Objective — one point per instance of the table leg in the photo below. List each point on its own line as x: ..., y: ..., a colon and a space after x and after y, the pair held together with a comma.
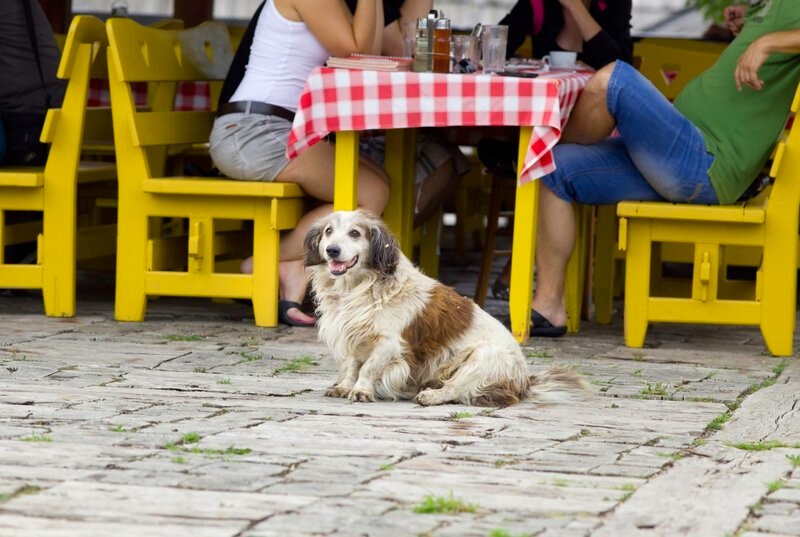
x: 523, y: 248
x: 345, y: 193
x: 400, y: 164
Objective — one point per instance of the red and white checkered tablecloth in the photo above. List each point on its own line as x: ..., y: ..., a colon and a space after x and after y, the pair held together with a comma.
x: 188, y: 95
x: 343, y: 100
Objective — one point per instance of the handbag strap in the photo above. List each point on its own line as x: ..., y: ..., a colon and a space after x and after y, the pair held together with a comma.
x: 26, y: 7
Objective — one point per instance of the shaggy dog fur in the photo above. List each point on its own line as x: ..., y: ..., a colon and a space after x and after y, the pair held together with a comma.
x: 398, y: 334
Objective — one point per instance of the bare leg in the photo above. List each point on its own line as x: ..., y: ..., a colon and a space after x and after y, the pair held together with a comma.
x: 590, y: 121
x: 313, y: 170
x: 434, y: 190
x: 555, y: 240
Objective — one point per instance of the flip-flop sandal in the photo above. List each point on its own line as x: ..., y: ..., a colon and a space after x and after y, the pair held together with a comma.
x: 283, y: 307
x: 500, y: 290
x: 544, y: 328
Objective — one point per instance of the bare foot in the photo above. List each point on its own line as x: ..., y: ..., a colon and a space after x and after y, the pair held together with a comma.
x: 293, y: 283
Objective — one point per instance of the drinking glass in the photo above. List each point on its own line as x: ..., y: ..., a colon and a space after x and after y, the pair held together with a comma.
x: 409, y: 36
x: 494, y: 38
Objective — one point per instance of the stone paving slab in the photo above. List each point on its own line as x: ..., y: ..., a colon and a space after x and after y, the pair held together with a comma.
x: 198, y: 423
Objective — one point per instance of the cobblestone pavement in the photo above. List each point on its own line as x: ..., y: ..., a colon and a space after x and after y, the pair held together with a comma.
x: 197, y: 423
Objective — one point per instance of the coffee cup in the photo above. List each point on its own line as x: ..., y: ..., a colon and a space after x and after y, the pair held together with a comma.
x: 561, y: 59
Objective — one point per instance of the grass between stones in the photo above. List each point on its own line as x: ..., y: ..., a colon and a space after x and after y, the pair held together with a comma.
x: 447, y: 505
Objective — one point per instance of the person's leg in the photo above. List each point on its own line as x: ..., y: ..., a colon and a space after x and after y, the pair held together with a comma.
x: 668, y: 149
x: 313, y: 171
x: 594, y: 174
x: 434, y: 190
x: 590, y: 120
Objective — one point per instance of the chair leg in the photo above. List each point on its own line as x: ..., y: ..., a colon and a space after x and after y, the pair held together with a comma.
x: 779, y: 295
x: 637, y: 282
x: 130, y: 300
x: 429, y: 245
x: 603, y: 275
x: 490, y: 242
x: 266, y: 252
x: 576, y: 271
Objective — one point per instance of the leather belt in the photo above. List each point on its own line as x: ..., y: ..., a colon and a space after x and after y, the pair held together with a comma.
x: 255, y: 107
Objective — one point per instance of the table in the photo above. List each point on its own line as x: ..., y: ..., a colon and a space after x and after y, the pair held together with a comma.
x: 348, y: 102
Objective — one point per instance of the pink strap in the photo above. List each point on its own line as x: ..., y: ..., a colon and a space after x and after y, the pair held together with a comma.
x: 538, y: 8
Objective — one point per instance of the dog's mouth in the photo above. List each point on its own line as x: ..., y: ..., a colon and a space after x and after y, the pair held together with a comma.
x: 340, y: 267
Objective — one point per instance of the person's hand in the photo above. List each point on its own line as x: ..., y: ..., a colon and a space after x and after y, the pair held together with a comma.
x: 746, y: 73
x: 734, y: 18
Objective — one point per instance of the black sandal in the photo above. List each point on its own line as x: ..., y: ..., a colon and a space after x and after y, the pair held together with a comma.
x: 543, y: 328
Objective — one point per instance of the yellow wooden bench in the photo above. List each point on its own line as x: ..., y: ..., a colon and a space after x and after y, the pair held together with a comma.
x: 768, y: 222
x: 53, y: 189
x: 146, y: 258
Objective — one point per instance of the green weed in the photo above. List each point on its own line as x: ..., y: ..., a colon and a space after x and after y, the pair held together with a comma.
x: 179, y: 337
x: 443, y: 505
x: 765, y: 445
x: 775, y: 486
x: 658, y: 388
x: 36, y: 438
x: 455, y: 416
x: 294, y: 366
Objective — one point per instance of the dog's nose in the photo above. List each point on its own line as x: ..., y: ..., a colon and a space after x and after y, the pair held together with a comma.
x: 333, y: 251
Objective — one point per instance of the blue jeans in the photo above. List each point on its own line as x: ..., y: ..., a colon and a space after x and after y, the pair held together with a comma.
x: 659, y: 154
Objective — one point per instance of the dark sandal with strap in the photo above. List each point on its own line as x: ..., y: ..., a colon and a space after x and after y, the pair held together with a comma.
x: 283, y: 307
x: 544, y: 328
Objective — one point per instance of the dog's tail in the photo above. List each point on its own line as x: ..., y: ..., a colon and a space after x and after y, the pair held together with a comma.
x: 557, y: 384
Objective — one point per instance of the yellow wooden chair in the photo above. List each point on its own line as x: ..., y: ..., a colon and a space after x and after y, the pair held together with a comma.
x: 141, y: 54
x: 53, y: 189
x: 668, y: 63
x: 768, y: 222
x: 671, y: 63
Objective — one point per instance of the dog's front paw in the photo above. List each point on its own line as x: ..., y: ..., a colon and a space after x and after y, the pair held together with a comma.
x: 337, y: 391
x: 429, y: 397
x: 361, y: 396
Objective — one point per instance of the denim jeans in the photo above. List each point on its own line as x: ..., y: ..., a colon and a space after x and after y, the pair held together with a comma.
x: 658, y: 155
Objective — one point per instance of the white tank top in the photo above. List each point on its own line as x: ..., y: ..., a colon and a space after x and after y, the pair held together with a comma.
x: 282, y: 56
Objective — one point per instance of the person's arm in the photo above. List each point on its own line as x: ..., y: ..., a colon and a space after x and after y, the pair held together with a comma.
x: 409, y: 11
x: 751, y: 60
x: 520, y: 25
x: 607, y: 43
x: 329, y: 21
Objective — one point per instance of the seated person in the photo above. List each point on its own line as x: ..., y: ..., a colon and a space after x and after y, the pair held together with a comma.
x: 289, y: 38
x: 599, y: 31
x: 28, y: 83
x: 440, y: 164
x: 695, y: 151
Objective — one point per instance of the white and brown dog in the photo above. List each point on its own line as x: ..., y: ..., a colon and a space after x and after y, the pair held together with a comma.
x: 398, y: 334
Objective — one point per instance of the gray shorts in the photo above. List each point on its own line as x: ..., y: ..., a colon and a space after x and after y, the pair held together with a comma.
x: 250, y: 147
x: 431, y: 154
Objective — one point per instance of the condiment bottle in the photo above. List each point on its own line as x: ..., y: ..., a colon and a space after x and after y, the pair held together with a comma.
x: 441, y: 46
x: 421, y: 54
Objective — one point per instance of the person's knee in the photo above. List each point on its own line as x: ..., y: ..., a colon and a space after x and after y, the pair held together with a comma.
x: 597, y: 87
x: 374, y: 197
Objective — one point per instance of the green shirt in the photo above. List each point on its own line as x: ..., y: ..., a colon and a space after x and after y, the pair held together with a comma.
x: 740, y: 128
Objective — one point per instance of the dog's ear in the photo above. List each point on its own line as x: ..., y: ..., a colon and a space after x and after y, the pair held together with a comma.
x: 384, y: 250
x: 311, y: 245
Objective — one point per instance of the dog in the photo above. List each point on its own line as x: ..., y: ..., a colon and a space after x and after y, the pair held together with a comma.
x: 398, y: 334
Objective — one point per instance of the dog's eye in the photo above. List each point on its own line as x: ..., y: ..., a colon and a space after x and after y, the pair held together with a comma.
x: 354, y: 234
x: 328, y: 230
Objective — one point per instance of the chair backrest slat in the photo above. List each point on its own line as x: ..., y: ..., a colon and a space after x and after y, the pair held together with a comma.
x: 166, y: 128
x: 153, y: 55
